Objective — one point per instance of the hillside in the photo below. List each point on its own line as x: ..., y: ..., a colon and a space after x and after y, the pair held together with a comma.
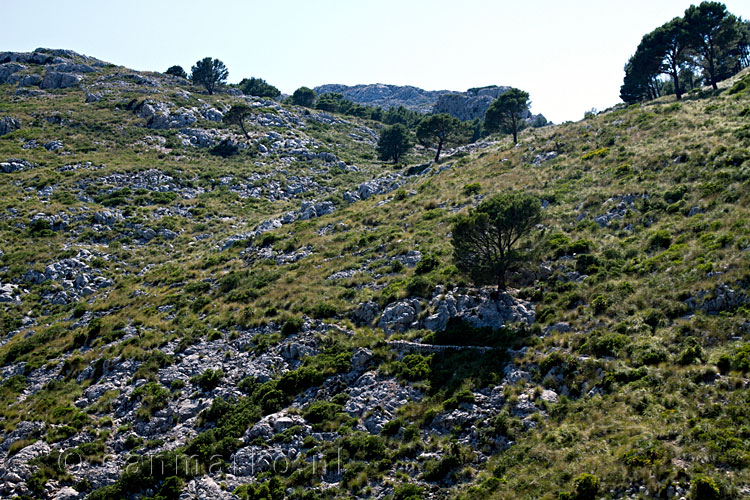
x: 185, y: 309
x: 467, y: 106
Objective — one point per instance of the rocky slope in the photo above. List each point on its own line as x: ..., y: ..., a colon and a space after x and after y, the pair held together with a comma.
x: 190, y: 313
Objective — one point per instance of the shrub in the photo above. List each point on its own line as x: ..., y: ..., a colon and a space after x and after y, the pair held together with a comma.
x: 419, y: 286
x: 704, y: 488
x: 408, y: 492
x: 741, y: 359
x: 586, y: 487
x: 391, y: 427
x: 320, y: 411
x: 473, y: 188
x: 600, y: 303
x: 170, y: 489
x: 595, y: 154
x: 605, y: 344
x: 660, y: 239
x: 414, y: 367
x: 427, y: 264
x: 587, y: 264
x: 208, y: 380
x: 690, y: 354
x: 291, y: 326
x: 323, y: 310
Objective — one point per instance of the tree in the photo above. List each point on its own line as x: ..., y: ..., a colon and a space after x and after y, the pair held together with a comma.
x: 209, y: 73
x: 642, y: 72
x: 439, y: 130
x: 671, y: 42
x: 331, y: 102
x: 176, y: 71
x: 483, y: 240
x: 507, y: 112
x: 393, y: 143
x: 236, y: 116
x: 304, y: 96
x: 714, y: 34
x: 258, y: 87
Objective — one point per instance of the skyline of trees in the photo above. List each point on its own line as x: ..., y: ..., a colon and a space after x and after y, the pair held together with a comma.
x: 705, y: 46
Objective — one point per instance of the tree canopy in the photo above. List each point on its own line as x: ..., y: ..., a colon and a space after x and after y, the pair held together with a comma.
x: 440, y: 130
x: 304, y: 96
x: 708, y: 41
x: 483, y: 241
x: 176, y: 70
x: 507, y: 111
x: 258, y: 87
x: 210, y: 73
x: 394, y: 142
x: 236, y: 116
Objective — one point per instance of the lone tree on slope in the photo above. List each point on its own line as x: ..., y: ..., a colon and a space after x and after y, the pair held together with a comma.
x: 506, y: 113
x: 304, y: 96
x: 438, y: 131
x: 483, y: 240
x: 176, y: 70
x: 393, y: 143
x: 258, y: 87
x: 236, y: 115
x: 210, y: 73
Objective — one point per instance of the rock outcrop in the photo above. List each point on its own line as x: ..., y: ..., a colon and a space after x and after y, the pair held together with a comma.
x: 479, y: 308
x: 8, y: 124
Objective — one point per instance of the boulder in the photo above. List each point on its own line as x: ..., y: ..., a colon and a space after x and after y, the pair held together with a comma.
x: 30, y: 81
x: 400, y: 316
x: 58, y: 80
x: 365, y: 313
x: 8, y: 69
x: 8, y: 124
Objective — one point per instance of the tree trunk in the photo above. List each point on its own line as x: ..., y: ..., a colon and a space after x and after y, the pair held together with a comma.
x: 676, y: 80
x: 242, y: 126
x: 439, y: 148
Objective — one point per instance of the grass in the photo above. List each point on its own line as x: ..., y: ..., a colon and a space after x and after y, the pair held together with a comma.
x: 669, y: 408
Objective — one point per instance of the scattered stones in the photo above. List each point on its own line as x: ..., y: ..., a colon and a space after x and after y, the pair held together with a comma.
x: 622, y: 205
x: 722, y: 298
x: 14, y: 165
x: 377, y: 186
x: 410, y: 258
x: 76, y: 277
x: 9, y: 294
x: 541, y: 158
x: 53, y: 145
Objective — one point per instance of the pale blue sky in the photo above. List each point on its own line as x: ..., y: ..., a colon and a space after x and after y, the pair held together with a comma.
x: 568, y: 55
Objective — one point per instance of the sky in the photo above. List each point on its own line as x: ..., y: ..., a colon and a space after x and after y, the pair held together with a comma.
x: 569, y: 55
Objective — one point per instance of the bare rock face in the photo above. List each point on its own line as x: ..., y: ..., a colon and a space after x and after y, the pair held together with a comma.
x: 470, y: 104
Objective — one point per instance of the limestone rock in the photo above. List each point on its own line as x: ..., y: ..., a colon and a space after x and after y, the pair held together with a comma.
x: 58, y: 80
x: 8, y: 69
x: 365, y: 313
x: 400, y: 316
x: 8, y: 124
